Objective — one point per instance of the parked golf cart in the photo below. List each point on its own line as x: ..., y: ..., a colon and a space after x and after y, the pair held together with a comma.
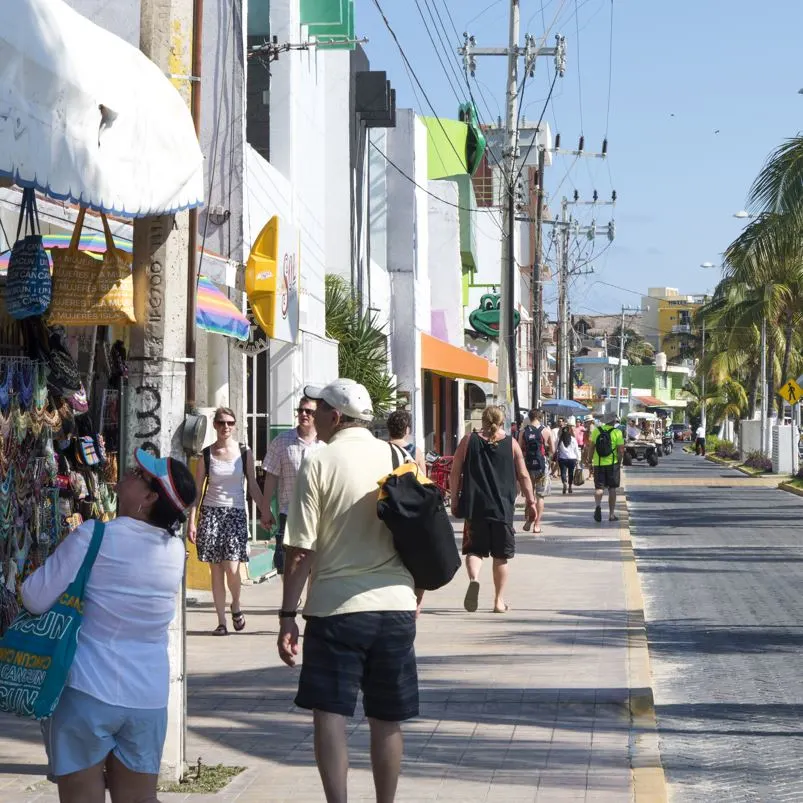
x: 648, y: 445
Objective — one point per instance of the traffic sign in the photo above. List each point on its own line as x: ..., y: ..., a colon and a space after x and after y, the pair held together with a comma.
x: 792, y: 392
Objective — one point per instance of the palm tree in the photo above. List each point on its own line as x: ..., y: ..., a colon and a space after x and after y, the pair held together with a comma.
x: 638, y: 351
x: 778, y: 188
x: 362, y: 350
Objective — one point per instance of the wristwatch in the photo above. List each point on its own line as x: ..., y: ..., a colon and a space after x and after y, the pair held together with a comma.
x: 288, y: 614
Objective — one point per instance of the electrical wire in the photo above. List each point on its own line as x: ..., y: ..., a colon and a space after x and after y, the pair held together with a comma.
x: 579, y: 67
x: 610, y: 76
x: 412, y: 73
x: 436, y: 48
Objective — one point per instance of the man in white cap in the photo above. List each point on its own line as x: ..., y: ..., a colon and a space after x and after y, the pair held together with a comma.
x: 361, y: 604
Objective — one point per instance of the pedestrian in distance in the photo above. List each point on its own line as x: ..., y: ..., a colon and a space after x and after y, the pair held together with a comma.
x: 281, y: 464
x: 537, y: 447
x: 360, y: 607
x: 488, y: 466
x: 220, y: 532
x: 108, y: 729
x: 400, y: 426
x: 557, y: 428
x: 607, y: 451
x: 699, y: 443
x: 569, y: 455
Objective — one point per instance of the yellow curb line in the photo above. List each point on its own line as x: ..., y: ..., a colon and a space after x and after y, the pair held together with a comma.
x: 785, y: 486
x: 649, y: 781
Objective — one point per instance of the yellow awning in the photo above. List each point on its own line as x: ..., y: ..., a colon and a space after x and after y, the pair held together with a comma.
x: 445, y: 359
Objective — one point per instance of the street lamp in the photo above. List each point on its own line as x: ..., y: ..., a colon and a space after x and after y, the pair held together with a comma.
x: 708, y: 265
x: 743, y: 214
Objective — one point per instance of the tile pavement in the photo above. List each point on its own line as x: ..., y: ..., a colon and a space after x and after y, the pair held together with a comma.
x: 527, y: 706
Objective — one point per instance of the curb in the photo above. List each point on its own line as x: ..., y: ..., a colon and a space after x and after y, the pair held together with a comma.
x: 785, y: 486
x: 647, y: 772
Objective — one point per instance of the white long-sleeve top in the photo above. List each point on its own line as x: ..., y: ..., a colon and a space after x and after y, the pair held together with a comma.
x: 129, y: 603
x: 570, y: 452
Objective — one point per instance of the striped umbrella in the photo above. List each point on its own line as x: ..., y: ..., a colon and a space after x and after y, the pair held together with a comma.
x: 214, y: 312
x: 92, y: 242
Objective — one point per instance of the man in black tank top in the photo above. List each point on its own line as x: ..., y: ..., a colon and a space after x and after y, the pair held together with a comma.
x: 487, y: 469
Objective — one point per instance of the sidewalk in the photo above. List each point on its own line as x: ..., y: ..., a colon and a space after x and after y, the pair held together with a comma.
x: 532, y: 705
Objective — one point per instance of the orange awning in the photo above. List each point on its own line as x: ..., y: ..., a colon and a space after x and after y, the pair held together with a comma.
x: 445, y: 359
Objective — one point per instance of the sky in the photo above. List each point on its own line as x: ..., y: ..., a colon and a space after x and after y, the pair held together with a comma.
x: 702, y: 91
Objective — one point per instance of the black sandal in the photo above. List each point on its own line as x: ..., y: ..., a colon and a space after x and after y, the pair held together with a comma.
x: 238, y: 620
x: 220, y: 630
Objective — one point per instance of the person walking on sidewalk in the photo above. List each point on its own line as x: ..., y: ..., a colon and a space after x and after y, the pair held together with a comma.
x: 360, y: 608
x: 699, y: 443
x: 109, y: 727
x: 488, y: 465
x: 569, y: 456
x: 607, y: 450
x: 537, y: 446
x: 281, y: 464
x: 221, y: 531
x: 400, y: 426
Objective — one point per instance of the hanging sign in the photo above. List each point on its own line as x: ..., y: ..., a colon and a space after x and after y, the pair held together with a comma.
x: 272, y: 280
x: 257, y: 341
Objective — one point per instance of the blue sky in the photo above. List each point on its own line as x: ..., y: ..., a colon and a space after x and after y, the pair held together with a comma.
x: 681, y: 71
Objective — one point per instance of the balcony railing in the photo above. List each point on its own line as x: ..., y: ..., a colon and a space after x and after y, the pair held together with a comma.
x: 681, y: 329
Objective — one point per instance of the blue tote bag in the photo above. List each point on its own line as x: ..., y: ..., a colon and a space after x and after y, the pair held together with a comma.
x: 28, y: 284
x: 37, y: 652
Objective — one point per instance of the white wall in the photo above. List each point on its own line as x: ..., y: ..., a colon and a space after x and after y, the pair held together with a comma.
x: 445, y: 263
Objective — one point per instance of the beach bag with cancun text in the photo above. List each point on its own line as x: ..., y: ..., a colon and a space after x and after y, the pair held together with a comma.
x: 28, y: 286
x: 89, y: 291
x: 37, y: 651
x: 411, y: 506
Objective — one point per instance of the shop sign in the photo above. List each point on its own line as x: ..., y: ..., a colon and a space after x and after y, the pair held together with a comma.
x: 272, y: 278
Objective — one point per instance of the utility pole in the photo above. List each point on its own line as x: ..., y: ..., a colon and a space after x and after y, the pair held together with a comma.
x: 537, y: 285
x: 563, y: 292
x: 507, y: 356
x: 155, y: 402
x: 622, y: 340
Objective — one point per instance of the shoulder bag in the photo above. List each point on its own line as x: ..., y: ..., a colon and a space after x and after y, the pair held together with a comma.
x: 37, y: 652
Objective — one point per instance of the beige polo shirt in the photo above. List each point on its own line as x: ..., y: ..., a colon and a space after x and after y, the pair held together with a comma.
x: 333, y: 513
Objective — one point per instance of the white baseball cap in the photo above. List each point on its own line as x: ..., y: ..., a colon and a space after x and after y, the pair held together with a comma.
x: 346, y: 396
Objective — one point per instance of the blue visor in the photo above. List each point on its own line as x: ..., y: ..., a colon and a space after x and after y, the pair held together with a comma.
x: 159, y: 469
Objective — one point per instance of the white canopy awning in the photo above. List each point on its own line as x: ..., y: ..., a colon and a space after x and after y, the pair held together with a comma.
x: 86, y: 117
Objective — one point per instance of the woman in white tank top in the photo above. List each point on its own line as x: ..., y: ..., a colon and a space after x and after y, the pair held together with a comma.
x: 221, y: 532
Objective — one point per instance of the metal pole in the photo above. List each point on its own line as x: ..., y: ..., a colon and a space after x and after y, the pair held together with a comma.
x: 511, y: 268
x: 702, y: 382
x: 538, y: 305
x: 563, y: 281
x: 763, y: 414
x: 507, y: 284
x: 621, y: 357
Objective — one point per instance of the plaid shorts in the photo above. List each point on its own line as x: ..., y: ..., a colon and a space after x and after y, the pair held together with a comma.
x: 542, y: 483
x: 370, y: 651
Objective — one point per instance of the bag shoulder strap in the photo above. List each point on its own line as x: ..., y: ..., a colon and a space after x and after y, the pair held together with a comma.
x: 89, y: 559
x: 207, y: 453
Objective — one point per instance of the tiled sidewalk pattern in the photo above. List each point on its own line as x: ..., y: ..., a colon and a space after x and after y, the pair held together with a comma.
x: 531, y: 705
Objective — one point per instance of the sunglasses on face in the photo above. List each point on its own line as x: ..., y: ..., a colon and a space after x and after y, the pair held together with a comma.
x: 225, y: 423
x: 305, y: 411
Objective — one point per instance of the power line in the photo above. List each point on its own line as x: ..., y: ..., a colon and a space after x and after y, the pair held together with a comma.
x: 610, y: 75
x: 436, y: 48
x: 579, y: 68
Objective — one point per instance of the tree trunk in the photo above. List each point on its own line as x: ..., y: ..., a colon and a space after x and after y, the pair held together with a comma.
x: 753, y: 383
x: 770, y: 373
x: 787, y: 351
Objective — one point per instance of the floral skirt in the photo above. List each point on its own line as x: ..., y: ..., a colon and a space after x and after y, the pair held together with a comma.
x: 222, y: 535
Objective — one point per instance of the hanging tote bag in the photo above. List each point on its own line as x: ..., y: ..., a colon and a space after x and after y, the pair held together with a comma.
x: 88, y: 291
x: 28, y: 286
x: 37, y: 652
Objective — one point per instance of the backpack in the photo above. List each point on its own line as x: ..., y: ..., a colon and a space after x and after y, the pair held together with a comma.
x: 534, y: 451
x: 604, y: 446
x: 412, y: 507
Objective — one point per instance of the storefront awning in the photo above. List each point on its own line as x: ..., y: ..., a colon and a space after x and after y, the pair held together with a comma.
x: 88, y: 118
x: 445, y: 359
x: 650, y: 401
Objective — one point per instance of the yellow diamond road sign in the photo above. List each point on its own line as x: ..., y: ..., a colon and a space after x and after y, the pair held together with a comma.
x: 792, y: 392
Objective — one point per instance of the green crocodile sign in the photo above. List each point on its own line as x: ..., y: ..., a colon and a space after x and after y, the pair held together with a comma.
x: 487, y: 318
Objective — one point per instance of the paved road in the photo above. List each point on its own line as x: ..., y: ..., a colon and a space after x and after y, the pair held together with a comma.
x: 721, y: 568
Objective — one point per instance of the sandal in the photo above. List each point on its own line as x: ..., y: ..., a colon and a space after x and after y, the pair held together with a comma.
x: 471, y: 600
x: 220, y: 630
x: 238, y: 620
x: 613, y: 517
x: 503, y: 610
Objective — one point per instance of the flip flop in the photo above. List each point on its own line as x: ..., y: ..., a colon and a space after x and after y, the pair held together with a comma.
x: 503, y: 610
x: 537, y: 531
x: 220, y: 630
x: 238, y: 620
x: 613, y: 517
x: 471, y: 600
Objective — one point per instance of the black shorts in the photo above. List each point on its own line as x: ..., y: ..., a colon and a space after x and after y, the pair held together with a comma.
x: 607, y: 476
x: 370, y: 651
x: 489, y: 538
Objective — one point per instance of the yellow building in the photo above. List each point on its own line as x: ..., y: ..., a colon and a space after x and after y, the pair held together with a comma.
x: 669, y: 318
